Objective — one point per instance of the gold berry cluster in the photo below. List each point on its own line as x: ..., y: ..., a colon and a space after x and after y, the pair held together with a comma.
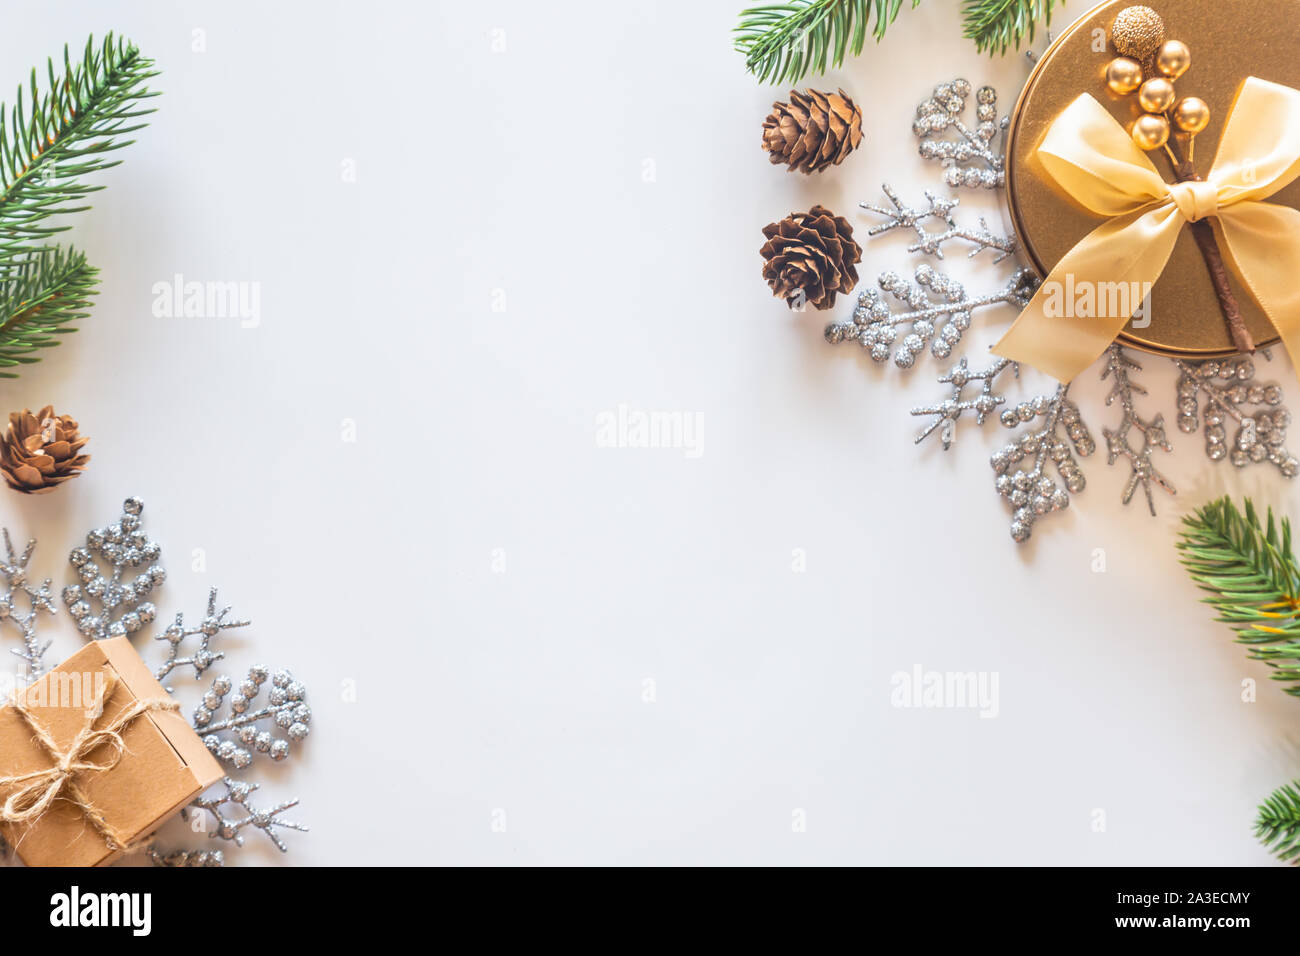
x: 1148, y: 65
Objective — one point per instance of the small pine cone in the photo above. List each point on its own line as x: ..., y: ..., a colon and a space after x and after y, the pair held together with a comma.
x: 40, y: 451
x: 809, y: 257
x: 814, y: 130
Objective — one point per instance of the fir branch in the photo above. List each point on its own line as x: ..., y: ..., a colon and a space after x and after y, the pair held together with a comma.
x: 1278, y: 823
x: 995, y: 25
x: 783, y: 42
x: 41, y: 294
x: 1252, y: 577
x: 49, y: 140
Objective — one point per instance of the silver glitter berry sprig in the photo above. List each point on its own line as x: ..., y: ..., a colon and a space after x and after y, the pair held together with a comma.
x: 947, y: 412
x: 1227, y: 389
x: 970, y: 159
x: 237, y: 793
x: 1033, y: 493
x: 931, y: 243
x: 185, y: 858
x: 14, y: 572
x: 122, y: 608
x: 1119, y: 442
x: 286, y: 707
x: 932, y: 297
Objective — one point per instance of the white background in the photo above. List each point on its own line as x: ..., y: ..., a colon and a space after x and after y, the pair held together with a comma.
x: 602, y: 178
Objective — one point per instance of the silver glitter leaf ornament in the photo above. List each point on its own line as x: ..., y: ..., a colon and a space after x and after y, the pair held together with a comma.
x: 931, y: 299
x: 970, y: 158
x: 122, y: 608
x: 286, y: 708
x: 1231, y: 395
x: 1033, y: 492
x: 1119, y: 443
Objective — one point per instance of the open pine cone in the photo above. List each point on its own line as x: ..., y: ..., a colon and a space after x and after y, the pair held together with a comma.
x: 810, y: 257
x: 40, y: 451
x: 814, y: 130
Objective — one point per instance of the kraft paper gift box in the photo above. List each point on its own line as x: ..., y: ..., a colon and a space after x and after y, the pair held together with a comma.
x: 163, y: 763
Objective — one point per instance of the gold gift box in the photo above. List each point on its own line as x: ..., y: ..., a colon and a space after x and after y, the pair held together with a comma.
x: 1229, y: 41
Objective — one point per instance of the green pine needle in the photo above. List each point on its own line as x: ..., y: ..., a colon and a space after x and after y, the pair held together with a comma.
x: 782, y: 42
x: 1252, y: 579
x: 1278, y: 823
x: 995, y: 25
x: 50, y: 139
x: 40, y: 296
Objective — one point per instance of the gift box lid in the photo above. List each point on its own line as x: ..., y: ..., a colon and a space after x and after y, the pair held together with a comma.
x: 163, y: 766
x: 1226, y: 48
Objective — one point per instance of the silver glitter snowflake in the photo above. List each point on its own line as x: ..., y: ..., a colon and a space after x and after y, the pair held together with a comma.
x: 947, y: 412
x: 970, y: 158
x: 1032, y: 492
x: 1119, y: 441
x: 122, y: 608
x: 931, y: 243
x: 24, y: 620
x: 1229, y: 393
x: 933, y: 297
x: 237, y: 794
x: 286, y: 708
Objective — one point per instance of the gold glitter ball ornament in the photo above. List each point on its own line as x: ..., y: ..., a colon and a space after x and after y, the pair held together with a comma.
x: 1123, y: 75
x: 1156, y: 95
x: 1137, y: 32
x: 1150, y: 131
x: 1173, y: 58
x: 1192, y: 114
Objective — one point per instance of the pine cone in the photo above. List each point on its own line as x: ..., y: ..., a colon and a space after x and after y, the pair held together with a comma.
x: 39, y: 451
x: 814, y: 130
x: 810, y: 257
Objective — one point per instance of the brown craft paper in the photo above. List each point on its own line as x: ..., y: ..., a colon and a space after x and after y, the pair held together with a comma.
x: 164, y: 764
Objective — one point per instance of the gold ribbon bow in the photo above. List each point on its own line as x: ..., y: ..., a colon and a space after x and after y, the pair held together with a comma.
x: 1094, y: 160
x: 38, y: 789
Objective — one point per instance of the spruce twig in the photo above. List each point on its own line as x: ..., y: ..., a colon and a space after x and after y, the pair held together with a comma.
x: 995, y: 25
x: 1278, y: 823
x: 782, y: 42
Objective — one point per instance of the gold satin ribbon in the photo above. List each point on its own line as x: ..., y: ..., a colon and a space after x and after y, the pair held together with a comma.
x: 1094, y: 160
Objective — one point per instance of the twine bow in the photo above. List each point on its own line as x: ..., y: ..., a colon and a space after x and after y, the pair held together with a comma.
x: 1095, y: 161
x: 38, y: 789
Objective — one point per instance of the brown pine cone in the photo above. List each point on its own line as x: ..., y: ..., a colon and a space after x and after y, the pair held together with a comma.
x: 814, y: 130
x: 810, y: 257
x: 39, y: 451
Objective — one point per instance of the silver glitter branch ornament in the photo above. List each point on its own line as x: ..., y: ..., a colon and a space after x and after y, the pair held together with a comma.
x: 1119, y: 441
x: 931, y: 243
x: 1228, y: 391
x: 1033, y: 493
x: 286, y: 708
x: 109, y: 602
x: 947, y: 412
x: 970, y: 159
x: 214, y: 622
x: 237, y: 794
x: 14, y: 572
x: 931, y: 298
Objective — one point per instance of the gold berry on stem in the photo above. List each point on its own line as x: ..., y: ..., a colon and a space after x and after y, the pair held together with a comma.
x: 1137, y: 32
x: 1123, y: 75
x: 1173, y: 58
x: 1156, y: 95
x: 1150, y: 131
x: 1191, y: 114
